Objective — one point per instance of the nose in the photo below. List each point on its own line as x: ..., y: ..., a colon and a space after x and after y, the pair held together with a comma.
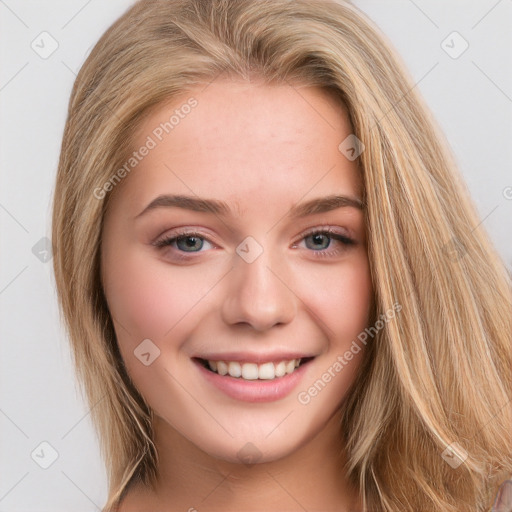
x: 259, y: 294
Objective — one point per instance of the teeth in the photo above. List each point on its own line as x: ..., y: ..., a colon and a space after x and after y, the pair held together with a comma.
x: 280, y: 369
x: 222, y: 368
x: 234, y: 369
x: 266, y: 371
x: 253, y: 371
x: 290, y: 366
x: 250, y: 371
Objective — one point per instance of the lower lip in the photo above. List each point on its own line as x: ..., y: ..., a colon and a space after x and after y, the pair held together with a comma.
x: 254, y: 390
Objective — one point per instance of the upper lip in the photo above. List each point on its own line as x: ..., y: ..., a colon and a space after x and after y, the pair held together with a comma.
x: 248, y: 357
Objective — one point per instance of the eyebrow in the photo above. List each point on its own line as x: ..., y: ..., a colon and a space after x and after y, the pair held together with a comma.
x: 221, y: 208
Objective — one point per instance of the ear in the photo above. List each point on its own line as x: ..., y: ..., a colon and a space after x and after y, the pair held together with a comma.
x: 503, y: 502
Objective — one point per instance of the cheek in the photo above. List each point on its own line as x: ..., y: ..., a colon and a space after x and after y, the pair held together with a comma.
x: 137, y: 297
x: 341, y: 304
x: 149, y: 298
x: 340, y: 297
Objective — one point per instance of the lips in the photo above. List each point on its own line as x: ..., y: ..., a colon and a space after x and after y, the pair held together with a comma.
x: 253, y: 380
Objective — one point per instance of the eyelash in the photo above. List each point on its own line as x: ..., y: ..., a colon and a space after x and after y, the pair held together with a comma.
x: 323, y: 253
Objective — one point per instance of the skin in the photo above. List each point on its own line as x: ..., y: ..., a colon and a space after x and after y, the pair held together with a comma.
x: 261, y: 149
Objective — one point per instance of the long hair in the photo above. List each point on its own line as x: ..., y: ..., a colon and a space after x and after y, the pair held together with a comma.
x: 437, y: 383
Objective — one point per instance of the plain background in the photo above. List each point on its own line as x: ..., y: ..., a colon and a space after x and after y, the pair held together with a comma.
x: 470, y: 95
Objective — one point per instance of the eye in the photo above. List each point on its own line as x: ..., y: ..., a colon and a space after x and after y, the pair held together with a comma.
x: 186, y: 241
x: 319, y: 240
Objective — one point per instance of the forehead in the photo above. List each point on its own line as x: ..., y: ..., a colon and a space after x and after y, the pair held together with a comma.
x: 244, y: 140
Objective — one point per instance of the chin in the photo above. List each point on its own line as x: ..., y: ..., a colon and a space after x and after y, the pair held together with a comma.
x: 254, y: 448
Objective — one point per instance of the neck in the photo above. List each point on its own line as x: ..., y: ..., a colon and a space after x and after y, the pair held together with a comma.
x: 311, y: 478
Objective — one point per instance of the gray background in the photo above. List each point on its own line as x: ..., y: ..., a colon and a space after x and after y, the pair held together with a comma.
x: 470, y: 95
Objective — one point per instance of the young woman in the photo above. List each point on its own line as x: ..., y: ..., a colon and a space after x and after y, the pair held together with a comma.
x: 278, y: 292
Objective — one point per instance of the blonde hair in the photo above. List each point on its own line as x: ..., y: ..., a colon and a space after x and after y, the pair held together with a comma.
x: 438, y: 374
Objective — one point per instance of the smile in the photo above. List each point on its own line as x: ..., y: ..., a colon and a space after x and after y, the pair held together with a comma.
x: 252, y: 378
x: 253, y: 371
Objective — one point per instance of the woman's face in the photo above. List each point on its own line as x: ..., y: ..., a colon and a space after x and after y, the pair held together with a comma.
x: 214, y: 255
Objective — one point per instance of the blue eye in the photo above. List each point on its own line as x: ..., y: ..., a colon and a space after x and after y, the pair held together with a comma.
x: 190, y: 243
x: 321, y: 240
x: 318, y: 241
x: 185, y: 242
